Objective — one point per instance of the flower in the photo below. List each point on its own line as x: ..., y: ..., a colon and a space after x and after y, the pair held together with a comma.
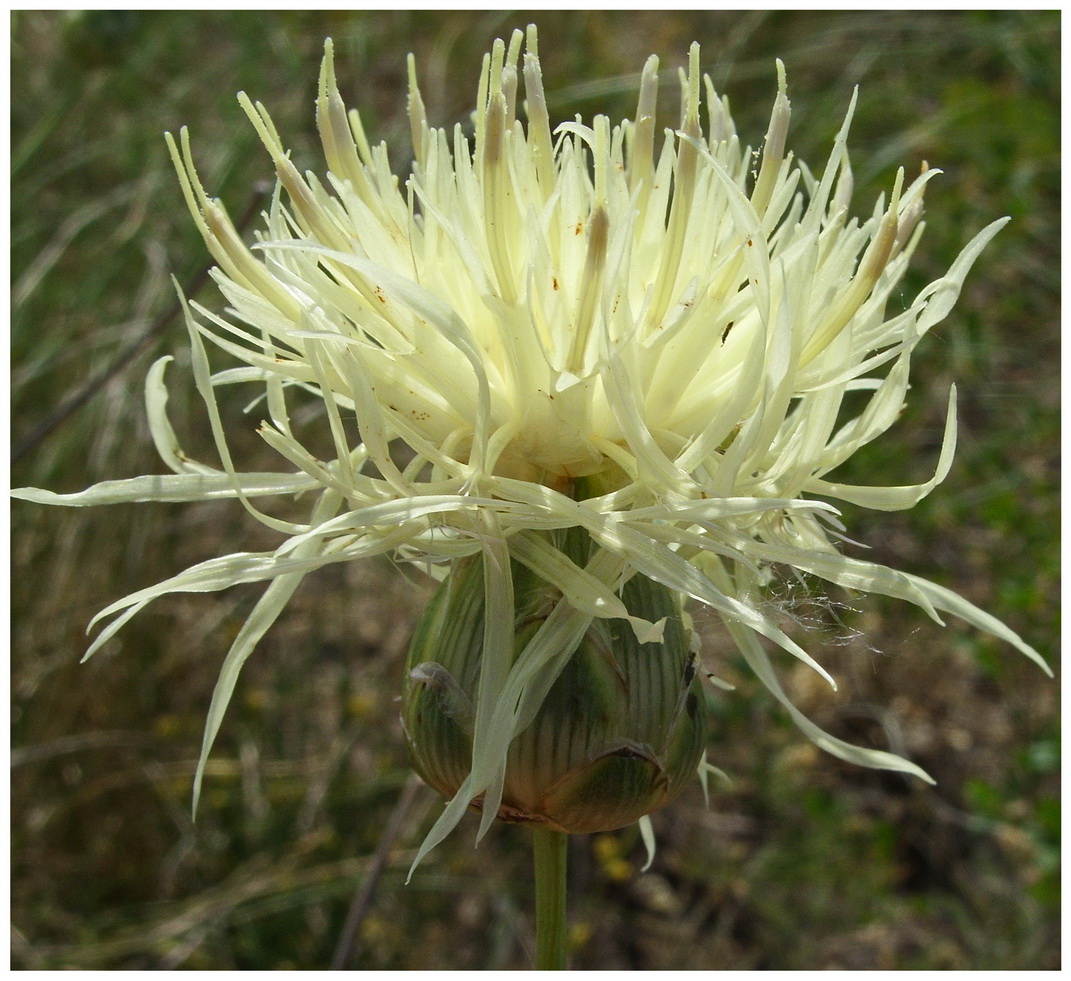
x: 646, y: 337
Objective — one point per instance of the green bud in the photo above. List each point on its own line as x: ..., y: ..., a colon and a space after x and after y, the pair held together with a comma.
x: 620, y: 731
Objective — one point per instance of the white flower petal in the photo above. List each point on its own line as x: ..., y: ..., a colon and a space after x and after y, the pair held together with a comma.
x: 173, y: 487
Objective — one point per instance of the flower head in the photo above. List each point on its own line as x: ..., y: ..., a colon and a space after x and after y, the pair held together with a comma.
x: 647, y: 335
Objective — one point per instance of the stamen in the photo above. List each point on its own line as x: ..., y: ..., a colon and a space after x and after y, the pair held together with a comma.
x: 870, y: 269
x: 590, y: 288
x: 331, y: 122
x: 509, y: 75
x: 418, y: 118
x: 683, y: 192
x: 495, y: 198
x: 773, y: 150
x: 641, y: 152
x: 539, y: 135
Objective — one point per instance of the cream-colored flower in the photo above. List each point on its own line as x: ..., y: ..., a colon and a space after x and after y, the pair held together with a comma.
x: 648, y: 335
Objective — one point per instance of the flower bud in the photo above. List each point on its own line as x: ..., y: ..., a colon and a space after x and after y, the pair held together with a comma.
x: 620, y: 731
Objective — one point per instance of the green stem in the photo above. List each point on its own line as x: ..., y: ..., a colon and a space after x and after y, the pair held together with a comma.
x: 549, y: 852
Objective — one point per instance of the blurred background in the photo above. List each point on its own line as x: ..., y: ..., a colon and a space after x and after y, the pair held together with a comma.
x: 804, y: 861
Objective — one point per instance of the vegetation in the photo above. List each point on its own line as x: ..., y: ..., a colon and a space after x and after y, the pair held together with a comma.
x: 803, y: 862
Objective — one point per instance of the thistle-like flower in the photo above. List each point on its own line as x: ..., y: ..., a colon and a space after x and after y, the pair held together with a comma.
x: 641, y: 337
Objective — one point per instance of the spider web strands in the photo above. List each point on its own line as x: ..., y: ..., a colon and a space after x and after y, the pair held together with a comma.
x: 759, y: 661
x: 662, y: 564
x: 871, y: 577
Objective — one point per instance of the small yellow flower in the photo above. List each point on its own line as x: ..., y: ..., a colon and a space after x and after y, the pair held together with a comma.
x: 659, y: 317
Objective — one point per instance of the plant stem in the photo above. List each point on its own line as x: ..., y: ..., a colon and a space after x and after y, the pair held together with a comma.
x: 549, y: 853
